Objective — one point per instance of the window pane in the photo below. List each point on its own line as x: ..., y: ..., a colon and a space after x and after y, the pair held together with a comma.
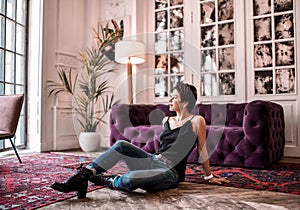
x: 19, y: 89
x: 159, y: 4
x: 285, y: 80
x: 227, y: 83
x: 9, y: 67
x: 10, y: 35
x: 175, y: 2
x: 208, y: 60
x: 262, y: 55
x: 208, y: 36
x: 225, y: 10
x: 263, y: 82
x: 1, y: 65
x: 21, y: 8
x: 174, y: 81
x: 209, y: 85
x: 261, y: 7
x: 20, y: 67
x: 1, y: 88
x: 20, y: 45
x: 262, y: 29
x: 226, y: 34
x: 284, y: 26
x: 208, y: 12
x: 9, y: 89
x: 281, y: 6
x: 161, y: 86
x: 176, y: 40
x: 11, y: 5
x: 161, y: 22
x: 284, y: 53
x: 176, y: 18
x: 226, y: 58
x: 2, y: 6
x: 176, y: 63
x: 7, y: 143
x: 161, y: 42
x: 2, y: 31
x: 161, y: 64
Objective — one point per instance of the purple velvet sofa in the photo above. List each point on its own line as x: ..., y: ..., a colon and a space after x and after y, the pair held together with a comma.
x: 244, y: 134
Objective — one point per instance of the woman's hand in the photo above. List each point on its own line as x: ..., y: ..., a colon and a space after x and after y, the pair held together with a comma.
x: 218, y: 181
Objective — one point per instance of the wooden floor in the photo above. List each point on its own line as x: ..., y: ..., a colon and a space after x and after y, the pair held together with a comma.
x: 186, y: 196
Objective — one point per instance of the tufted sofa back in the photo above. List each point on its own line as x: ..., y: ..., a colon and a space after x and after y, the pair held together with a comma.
x: 221, y: 114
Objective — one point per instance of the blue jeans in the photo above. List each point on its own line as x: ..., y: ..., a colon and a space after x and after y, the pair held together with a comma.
x: 145, y: 170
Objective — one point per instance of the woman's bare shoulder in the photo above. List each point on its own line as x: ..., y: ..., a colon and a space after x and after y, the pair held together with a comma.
x: 197, y: 119
x: 197, y: 122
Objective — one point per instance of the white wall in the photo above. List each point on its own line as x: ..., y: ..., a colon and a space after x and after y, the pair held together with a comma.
x: 59, y: 30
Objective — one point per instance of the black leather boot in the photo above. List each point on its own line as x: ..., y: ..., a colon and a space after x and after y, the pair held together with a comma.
x: 77, y: 182
x: 104, y: 180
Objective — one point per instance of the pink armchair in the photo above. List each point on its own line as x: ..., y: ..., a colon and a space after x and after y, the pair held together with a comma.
x: 10, y: 110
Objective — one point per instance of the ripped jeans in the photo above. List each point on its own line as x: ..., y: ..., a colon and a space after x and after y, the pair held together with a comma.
x: 145, y: 170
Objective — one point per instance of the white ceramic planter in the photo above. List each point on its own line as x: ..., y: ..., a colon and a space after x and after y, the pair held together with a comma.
x: 89, y: 141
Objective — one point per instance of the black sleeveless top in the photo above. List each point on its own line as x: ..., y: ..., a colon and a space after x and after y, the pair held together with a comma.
x: 177, y: 144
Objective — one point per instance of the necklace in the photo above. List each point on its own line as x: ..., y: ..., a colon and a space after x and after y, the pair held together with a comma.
x: 177, y: 124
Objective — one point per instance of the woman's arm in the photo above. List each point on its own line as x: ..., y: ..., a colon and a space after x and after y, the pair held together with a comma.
x: 202, y: 152
x: 203, y: 155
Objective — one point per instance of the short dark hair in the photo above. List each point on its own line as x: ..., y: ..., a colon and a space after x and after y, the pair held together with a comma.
x: 187, y: 93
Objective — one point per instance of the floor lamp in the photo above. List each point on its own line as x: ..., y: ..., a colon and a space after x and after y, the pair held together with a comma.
x: 129, y: 52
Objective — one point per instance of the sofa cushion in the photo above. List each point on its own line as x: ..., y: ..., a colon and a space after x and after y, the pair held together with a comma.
x: 145, y: 137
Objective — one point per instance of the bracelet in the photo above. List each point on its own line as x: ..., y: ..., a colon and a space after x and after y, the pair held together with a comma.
x: 208, y: 177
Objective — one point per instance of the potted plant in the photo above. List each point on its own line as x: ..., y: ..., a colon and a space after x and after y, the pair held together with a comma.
x: 90, y: 89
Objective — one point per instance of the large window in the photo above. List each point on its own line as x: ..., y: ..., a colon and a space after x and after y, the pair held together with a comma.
x: 217, y: 46
x: 169, y: 45
x: 274, y: 47
x: 13, y: 36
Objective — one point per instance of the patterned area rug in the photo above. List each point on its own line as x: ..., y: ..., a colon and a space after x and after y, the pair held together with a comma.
x: 282, y: 177
x: 27, y: 185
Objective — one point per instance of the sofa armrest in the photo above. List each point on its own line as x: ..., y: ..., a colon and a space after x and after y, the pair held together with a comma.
x: 264, y: 128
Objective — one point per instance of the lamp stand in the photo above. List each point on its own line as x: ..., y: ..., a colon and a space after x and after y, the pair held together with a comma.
x: 129, y: 76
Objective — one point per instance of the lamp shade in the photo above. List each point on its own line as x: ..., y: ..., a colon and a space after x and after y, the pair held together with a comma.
x: 128, y: 50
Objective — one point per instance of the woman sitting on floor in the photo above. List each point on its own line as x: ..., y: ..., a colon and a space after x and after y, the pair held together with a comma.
x: 152, y: 172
